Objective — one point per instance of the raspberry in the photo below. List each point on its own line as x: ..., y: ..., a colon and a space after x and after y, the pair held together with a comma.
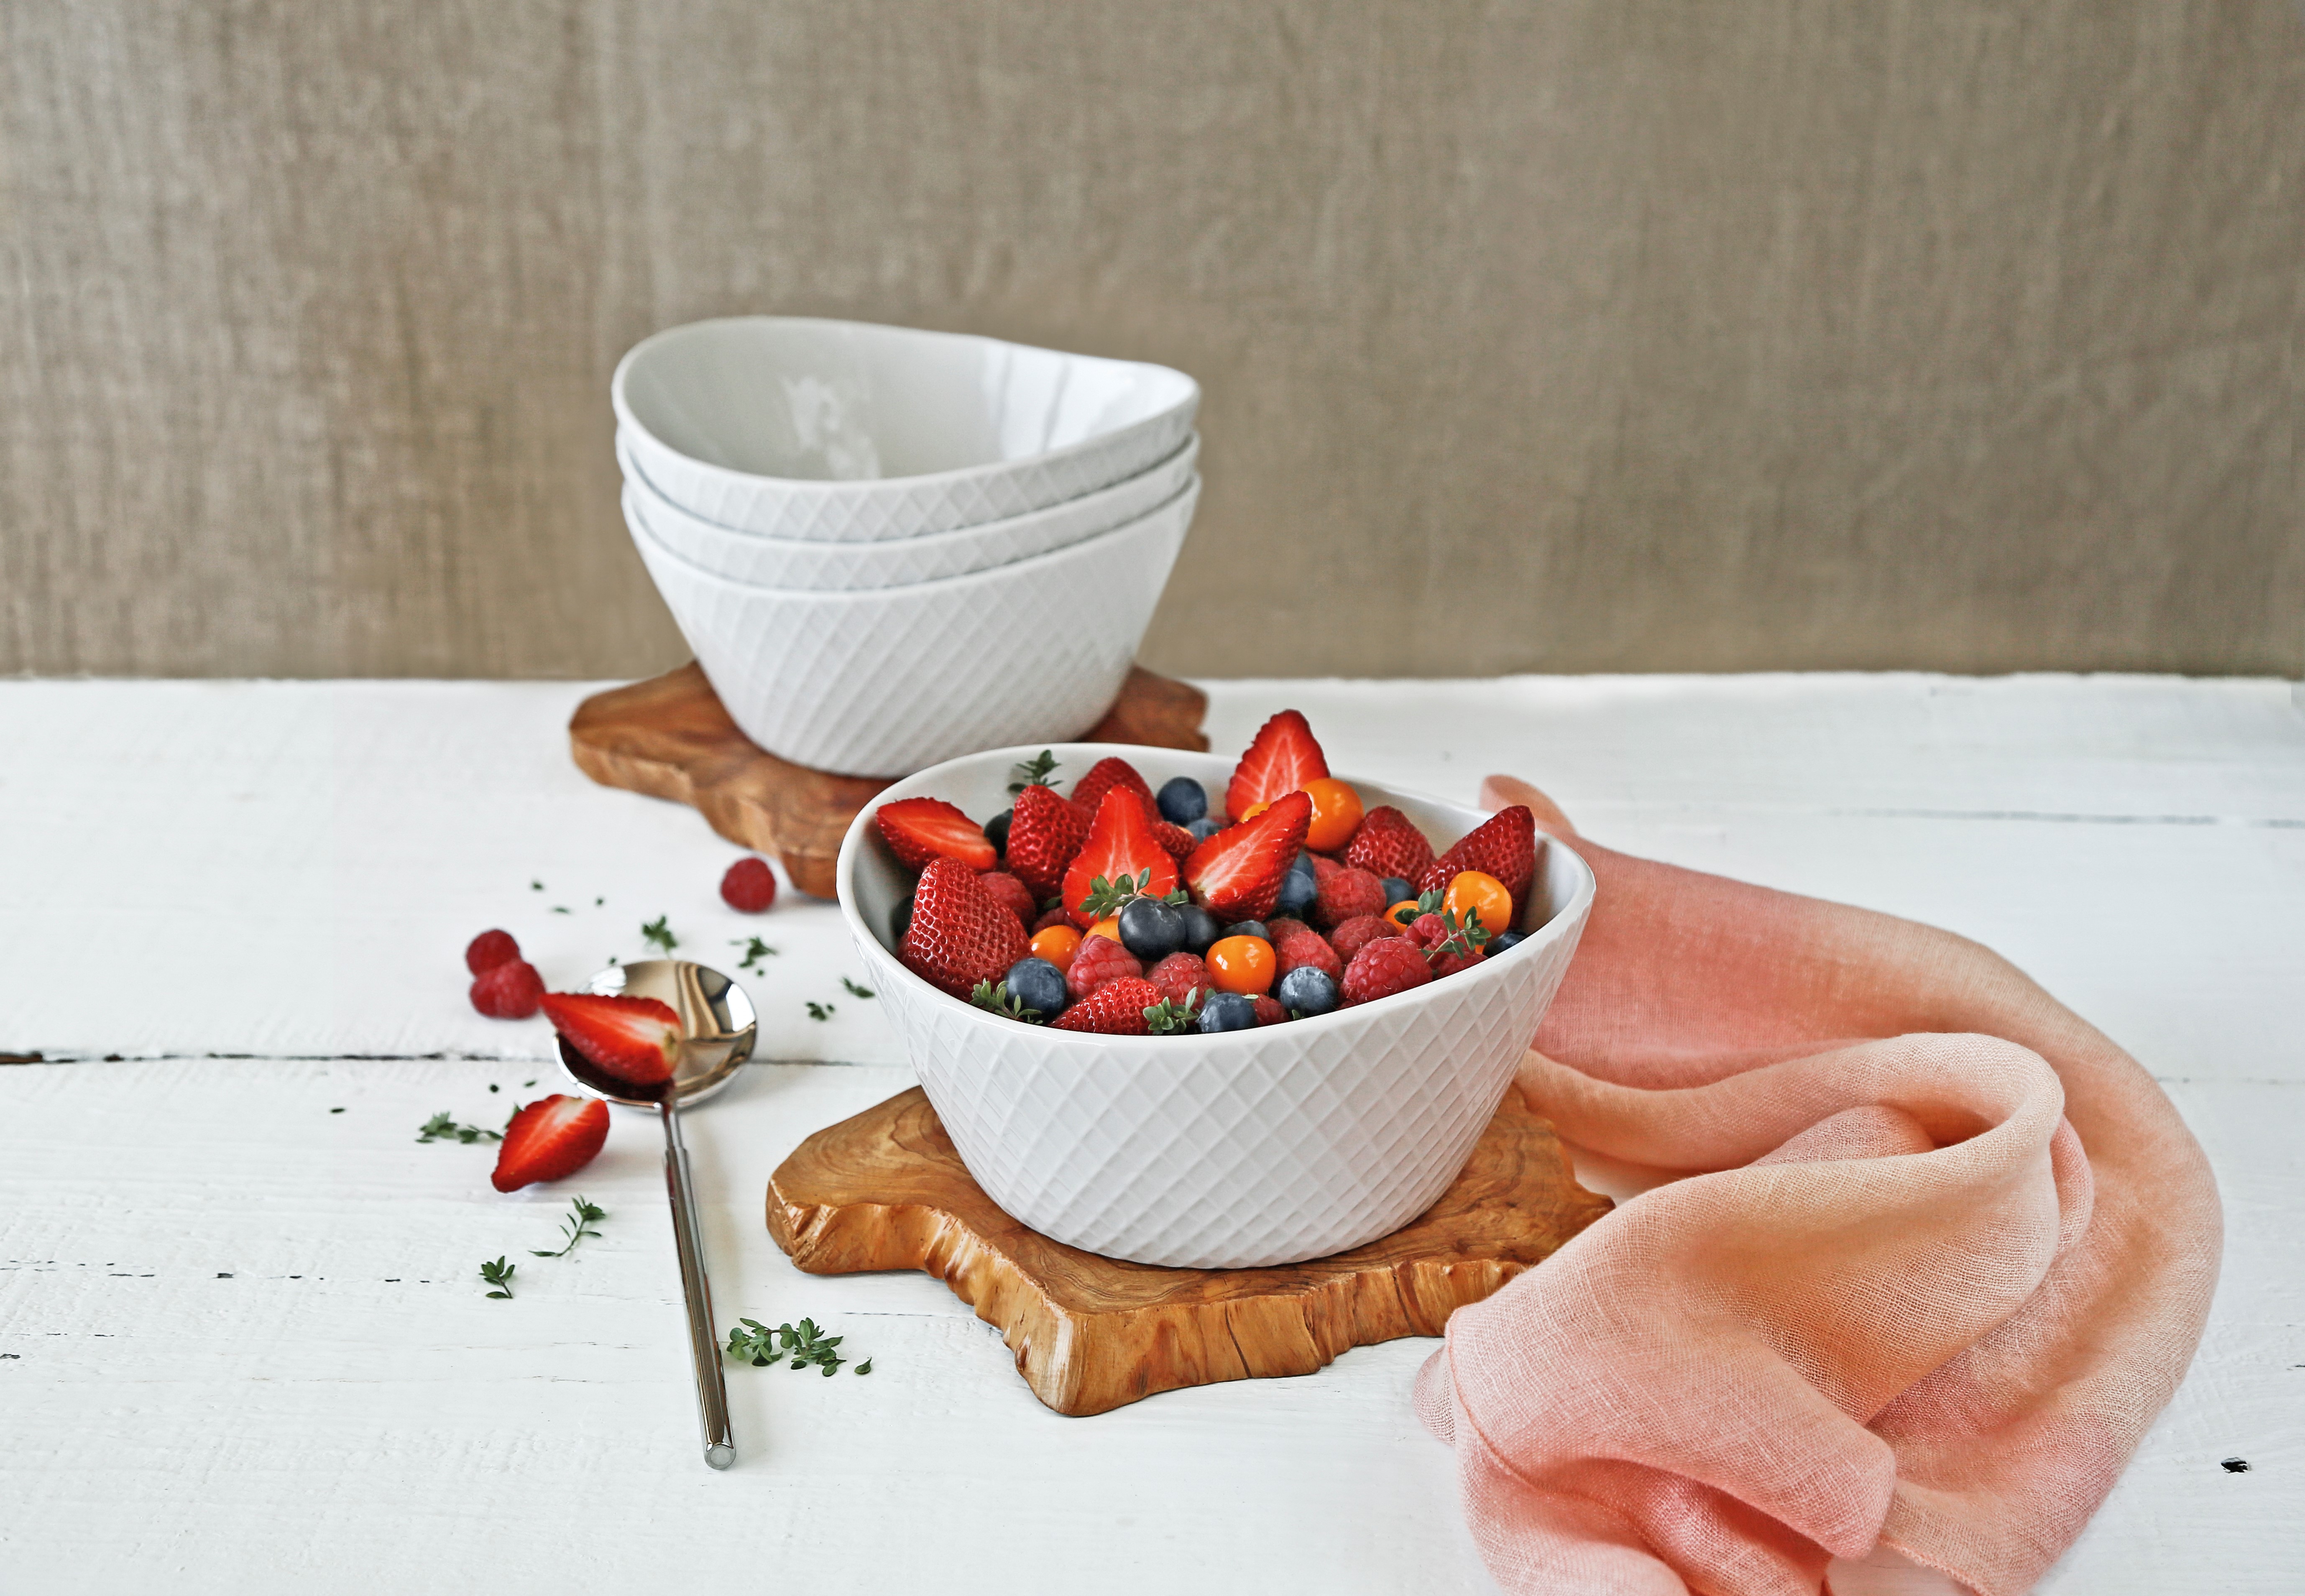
x: 1101, y: 959
x: 1347, y: 895
x: 510, y: 991
x: 1449, y: 964
x: 489, y: 950
x: 1268, y: 1011
x: 1387, y: 965
x: 1428, y: 931
x: 1323, y: 867
x: 1050, y: 917
x: 1011, y: 893
x: 750, y: 887
x: 1356, y: 934
x: 1303, y: 946
x: 1180, y: 976
x: 1280, y: 927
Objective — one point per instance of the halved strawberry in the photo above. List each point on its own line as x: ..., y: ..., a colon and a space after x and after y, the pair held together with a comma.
x: 1504, y: 846
x: 551, y: 1139
x: 1281, y: 759
x: 1236, y: 874
x: 960, y: 933
x: 1120, y: 842
x: 1106, y: 773
x: 1044, y: 833
x: 633, y: 1039
x: 919, y: 829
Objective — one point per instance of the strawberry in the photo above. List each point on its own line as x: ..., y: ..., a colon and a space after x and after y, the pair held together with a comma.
x: 1179, y: 842
x: 1116, y: 1008
x: 1180, y: 976
x: 510, y: 991
x: 750, y: 887
x: 1044, y: 833
x: 485, y: 951
x: 1281, y: 759
x: 1236, y: 874
x: 635, y: 1040
x: 960, y: 933
x: 1270, y: 1011
x: 919, y: 829
x: 1106, y: 773
x: 1354, y: 935
x: 1012, y: 894
x: 1120, y: 842
x: 1303, y: 946
x: 1387, y: 965
x: 1096, y: 961
x: 1387, y: 843
x: 549, y: 1139
x: 1504, y: 846
x: 1347, y: 895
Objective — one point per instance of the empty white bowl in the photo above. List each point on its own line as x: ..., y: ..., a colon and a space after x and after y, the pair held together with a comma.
x: 886, y: 680
x: 1238, y: 1150
x: 842, y: 431
x: 784, y: 562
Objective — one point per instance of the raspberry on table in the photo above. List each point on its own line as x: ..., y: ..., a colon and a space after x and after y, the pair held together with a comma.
x: 750, y: 887
x: 485, y: 951
x: 1099, y: 960
x: 1304, y: 946
x: 511, y: 990
x: 1347, y: 895
x: 1386, y: 966
x: 1356, y: 934
x: 1180, y: 976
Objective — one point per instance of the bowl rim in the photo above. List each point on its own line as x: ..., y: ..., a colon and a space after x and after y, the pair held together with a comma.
x: 929, y: 543
x: 864, y: 486
x: 1007, y: 571
x: 1568, y: 916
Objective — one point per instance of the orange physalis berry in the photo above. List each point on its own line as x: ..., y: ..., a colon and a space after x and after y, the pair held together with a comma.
x: 1109, y: 928
x: 1403, y: 913
x: 1242, y: 964
x: 1056, y: 944
x: 1470, y: 893
x: 1336, y: 814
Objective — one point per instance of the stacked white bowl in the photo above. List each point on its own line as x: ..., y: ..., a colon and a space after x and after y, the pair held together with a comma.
x: 888, y: 547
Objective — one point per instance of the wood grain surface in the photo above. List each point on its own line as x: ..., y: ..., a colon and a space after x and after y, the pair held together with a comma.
x: 669, y: 737
x: 1601, y: 334
x: 885, y: 1190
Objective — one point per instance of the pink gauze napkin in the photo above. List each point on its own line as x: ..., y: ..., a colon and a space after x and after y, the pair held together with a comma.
x: 1938, y: 1253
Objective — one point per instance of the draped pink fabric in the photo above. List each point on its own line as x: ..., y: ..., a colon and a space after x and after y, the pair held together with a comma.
x: 1939, y: 1254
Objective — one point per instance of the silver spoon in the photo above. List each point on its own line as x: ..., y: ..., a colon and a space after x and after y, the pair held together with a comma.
x: 716, y: 1020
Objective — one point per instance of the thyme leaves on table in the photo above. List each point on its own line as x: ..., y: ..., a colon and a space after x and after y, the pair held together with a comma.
x: 853, y: 990
x: 658, y: 934
x: 755, y: 950
x: 809, y: 1347
x: 441, y: 1128
x: 500, y: 1274
x: 582, y: 1216
x: 819, y: 1011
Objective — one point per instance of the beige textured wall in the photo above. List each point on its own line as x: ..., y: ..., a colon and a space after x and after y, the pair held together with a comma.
x: 1599, y: 335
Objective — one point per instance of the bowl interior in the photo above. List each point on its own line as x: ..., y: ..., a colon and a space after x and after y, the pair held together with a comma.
x: 836, y: 401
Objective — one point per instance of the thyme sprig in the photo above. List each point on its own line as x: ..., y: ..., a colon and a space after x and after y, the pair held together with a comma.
x: 575, y: 1227
x: 1109, y: 897
x: 500, y: 1274
x: 1031, y: 773
x: 658, y: 934
x: 853, y: 990
x: 441, y: 1128
x: 809, y: 1347
x: 1001, y: 1000
x: 755, y: 950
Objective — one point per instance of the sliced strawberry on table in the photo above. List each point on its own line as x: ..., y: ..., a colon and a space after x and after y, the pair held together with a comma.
x: 1238, y: 873
x: 1106, y: 773
x: 919, y: 829
x: 960, y: 934
x: 1120, y: 842
x: 1504, y: 846
x: 549, y: 1139
x: 1044, y: 832
x: 1387, y: 843
x: 633, y: 1039
x: 1283, y: 759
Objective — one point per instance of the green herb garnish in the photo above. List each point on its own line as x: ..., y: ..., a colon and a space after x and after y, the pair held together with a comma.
x: 820, y: 1011
x: 1167, y: 1017
x: 853, y: 990
x: 755, y: 950
x: 657, y: 932
x: 1001, y: 1001
x: 582, y: 1214
x: 500, y: 1274
x: 1031, y: 773
x: 752, y: 1342
x: 1109, y: 897
x: 441, y: 1128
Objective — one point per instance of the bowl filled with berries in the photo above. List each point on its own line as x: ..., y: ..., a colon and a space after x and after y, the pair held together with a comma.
x: 1182, y: 1009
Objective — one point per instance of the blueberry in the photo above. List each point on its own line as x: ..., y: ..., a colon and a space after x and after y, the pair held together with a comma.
x: 1227, y: 1011
x: 996, y: 829
x: 1203, y: 829
x: 1249, y: 927
x: 1182, y: 800
x: 1298, y: 891
x: 1304, y: 862
x: 1151, y: 930
x: 1036, y: 983
x: 1201, y: 928
x: 1395, y: 889
x: 1504, y: 940
x: 901, y: 918
x: 1307, y: 989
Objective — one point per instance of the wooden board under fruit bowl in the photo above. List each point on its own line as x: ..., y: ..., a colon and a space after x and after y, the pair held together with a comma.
x: 885, y: 1190
x: 669, y: 737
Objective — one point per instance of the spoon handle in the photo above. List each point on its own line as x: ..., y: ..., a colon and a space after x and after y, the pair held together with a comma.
x: 703, y: 1342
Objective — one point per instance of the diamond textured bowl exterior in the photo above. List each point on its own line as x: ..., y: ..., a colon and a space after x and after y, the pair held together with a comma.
x: 1240, y: 1150
x: 884, y: 682
x: 784, y: 562
x: 817, y: 430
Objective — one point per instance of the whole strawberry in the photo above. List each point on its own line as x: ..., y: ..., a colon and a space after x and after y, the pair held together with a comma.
x: 960, y: 934
x: 1304, y: 946
x: 1354, y: 935
x: 1099, y: 960
x: 1386, y: 966
x: 1044, y: 832
x: 1504, y: 846
x: 1116, y: 1008
x: 1347, y: 895
x: 1179, y: 842
x: 1106, y: 773
x: 1011, y: 894
x: 511, y: 991
x: 1387, y: 843
x: 1183, y: 979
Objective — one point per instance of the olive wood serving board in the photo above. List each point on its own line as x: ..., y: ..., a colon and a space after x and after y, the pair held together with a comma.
x: 885, y: 1190
x: 669, y: 737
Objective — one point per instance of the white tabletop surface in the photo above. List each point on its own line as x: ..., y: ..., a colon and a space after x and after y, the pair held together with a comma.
x: 243, y: 1346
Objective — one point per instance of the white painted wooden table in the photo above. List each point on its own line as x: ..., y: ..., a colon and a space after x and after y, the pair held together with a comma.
x: 242, y: 1345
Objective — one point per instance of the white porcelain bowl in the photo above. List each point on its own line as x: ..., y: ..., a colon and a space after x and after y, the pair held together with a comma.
x: 784, y: 562
x: 1242, y: 1148
x: 845, y: 432
x: 884, y: 681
